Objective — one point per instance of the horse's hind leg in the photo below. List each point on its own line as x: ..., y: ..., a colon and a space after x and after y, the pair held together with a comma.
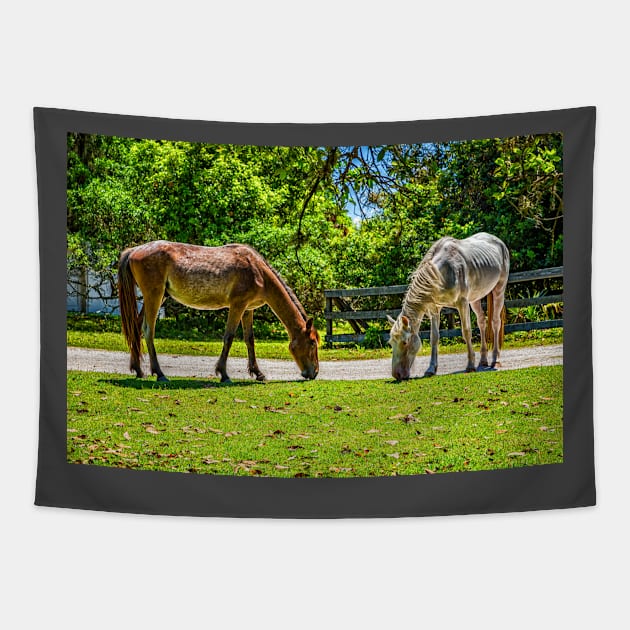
x: 481, y: 322
x: 234, y: 317
x: 247, y: 322
x: 152, y: 303
x: 135, y: 364
x: 498, y: 293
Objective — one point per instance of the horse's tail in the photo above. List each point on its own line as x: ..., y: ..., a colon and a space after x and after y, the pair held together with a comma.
x: 489, y: 327
x: 129, y: 318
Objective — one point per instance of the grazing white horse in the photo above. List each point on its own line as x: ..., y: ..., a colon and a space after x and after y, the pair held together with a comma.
x: 454, y: 273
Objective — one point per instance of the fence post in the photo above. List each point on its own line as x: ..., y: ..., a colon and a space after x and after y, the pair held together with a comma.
x: 329, y: 324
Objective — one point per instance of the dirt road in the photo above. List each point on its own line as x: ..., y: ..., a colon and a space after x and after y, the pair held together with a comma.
x: 278, y: 370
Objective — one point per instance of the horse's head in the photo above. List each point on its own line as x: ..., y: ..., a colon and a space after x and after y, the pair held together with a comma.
x: 405, y: 343
x: 303, y: 347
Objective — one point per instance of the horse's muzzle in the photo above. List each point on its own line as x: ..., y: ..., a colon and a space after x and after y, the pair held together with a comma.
x: 401, y: 375
x: 310, y: 374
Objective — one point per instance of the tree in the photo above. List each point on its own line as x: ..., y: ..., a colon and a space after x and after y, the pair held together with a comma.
x: 323, y: 216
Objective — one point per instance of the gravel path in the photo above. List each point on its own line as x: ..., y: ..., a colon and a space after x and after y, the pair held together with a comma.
x: 279, y: 370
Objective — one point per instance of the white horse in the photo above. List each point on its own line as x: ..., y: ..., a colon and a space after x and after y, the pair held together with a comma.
x: 455, y: 273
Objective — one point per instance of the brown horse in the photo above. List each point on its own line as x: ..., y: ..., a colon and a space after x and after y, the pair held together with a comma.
x: 234, y: 276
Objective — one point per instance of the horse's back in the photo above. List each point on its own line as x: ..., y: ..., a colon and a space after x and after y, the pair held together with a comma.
x: 482, y: 241
x: 198, y: 276
x: 184, y: 257
x: 472, y: 266
x: 488, y: 263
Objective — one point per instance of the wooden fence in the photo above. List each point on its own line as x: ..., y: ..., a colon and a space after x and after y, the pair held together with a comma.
x: 359, y: 319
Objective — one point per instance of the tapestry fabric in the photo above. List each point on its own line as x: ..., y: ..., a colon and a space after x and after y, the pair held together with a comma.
x: 414, y: 305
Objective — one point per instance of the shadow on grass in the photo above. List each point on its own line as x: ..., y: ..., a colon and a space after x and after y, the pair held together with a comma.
x: 425, y: 376
x: 180, y: 383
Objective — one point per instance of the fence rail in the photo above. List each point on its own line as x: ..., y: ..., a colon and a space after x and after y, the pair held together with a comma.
x: 358, y: 320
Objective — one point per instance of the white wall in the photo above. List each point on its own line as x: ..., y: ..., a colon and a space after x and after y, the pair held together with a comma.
x: 99, y: 296
x: 312, y: 62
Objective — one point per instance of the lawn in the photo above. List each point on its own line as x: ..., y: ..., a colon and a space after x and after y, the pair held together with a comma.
x: 455, y: 422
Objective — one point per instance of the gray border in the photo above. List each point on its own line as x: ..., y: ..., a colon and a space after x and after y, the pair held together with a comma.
x: 571, y: 484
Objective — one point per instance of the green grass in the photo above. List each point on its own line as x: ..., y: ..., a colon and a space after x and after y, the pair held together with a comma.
x: 456, y: 422
x: 104, y: 333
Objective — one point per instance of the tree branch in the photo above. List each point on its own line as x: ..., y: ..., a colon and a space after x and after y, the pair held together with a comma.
x: 331, y: 158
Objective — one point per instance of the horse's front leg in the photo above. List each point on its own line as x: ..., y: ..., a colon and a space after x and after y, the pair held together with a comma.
x: 464, y: 315
x: 481, y: 322
x: 247, y: 322
x: 435, y: 339
x: 234, y: 317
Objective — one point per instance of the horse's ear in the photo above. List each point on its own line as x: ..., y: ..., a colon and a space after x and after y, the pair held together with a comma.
x: 391, y: 320
x: 309, y: 324
x: 405, y: 321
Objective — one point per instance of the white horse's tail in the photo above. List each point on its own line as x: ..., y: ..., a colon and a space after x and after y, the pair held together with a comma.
x: 489, y: 328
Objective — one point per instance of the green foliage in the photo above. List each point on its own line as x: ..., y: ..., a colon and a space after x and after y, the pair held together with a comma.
x: 373, y: 338
x: 323, y: 216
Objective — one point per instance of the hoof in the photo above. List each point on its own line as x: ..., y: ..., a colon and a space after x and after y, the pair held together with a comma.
x: 470, y: 368
x: 162, y: 379
x: 226, y: 379
x: 427, y: 374
x: 261, y: 378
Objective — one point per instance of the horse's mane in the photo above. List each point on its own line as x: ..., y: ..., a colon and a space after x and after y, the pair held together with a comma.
x: 287, y: 288
x: 423, y: 283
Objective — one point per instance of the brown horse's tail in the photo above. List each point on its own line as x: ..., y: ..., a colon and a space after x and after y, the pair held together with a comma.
x: 489, y: 328
x: 129, y: 317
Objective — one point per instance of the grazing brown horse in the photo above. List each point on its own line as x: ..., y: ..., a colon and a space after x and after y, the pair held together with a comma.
x: 234, y: 276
